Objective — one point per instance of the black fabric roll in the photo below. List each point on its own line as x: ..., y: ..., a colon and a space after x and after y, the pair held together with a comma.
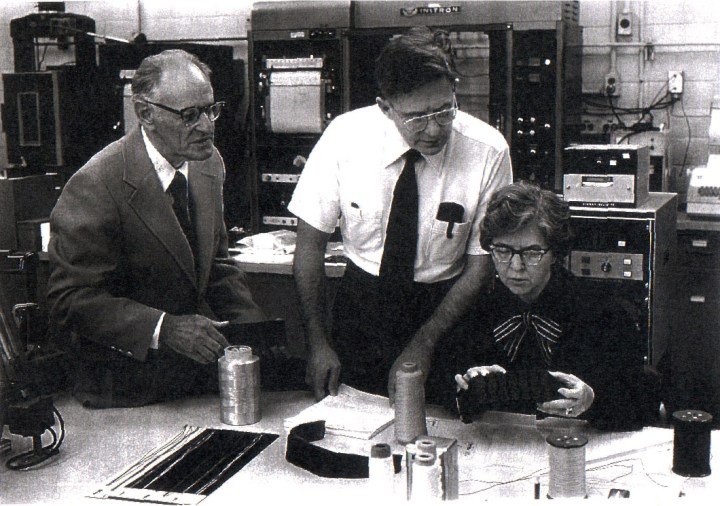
x: 323, y: 462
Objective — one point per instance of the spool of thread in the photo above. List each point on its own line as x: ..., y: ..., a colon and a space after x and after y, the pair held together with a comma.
x: 409, y: 403
x: 566, y: 456
x: 426, y: 478
x: 426, y: 445
x: 381, y: 471
x: 691, y: 444
x: 239, y: 378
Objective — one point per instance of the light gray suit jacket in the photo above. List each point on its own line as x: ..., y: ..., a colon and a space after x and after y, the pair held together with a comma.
x: 119, y: 259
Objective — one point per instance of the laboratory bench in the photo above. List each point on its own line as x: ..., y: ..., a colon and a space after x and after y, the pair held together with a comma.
x: 499, y: 456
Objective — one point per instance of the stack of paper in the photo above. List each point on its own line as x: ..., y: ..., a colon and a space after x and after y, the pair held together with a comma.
x: 277, y: 242
x: 351, y: 413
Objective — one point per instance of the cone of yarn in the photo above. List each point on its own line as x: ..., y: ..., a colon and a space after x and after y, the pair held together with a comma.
x: 409, y: 403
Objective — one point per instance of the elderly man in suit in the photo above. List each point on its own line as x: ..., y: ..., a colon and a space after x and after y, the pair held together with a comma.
x: 141, y: 278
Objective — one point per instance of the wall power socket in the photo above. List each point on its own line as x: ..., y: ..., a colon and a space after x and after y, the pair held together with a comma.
x: 675, y: 82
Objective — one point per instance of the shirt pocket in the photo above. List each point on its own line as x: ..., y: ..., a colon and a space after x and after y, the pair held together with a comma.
x: 445, y: 250
x: 362, y: 229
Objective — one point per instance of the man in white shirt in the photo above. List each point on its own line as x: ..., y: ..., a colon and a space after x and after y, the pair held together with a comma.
x: 381, y: 319
x: 141, y: 277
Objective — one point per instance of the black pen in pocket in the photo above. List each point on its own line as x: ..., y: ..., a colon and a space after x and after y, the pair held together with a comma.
x: 452, y: 213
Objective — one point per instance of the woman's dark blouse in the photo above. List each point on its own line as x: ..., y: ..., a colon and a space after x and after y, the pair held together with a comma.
x: 569, y: 328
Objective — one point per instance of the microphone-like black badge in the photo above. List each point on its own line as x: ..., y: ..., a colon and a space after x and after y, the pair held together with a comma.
x: 451, y: 212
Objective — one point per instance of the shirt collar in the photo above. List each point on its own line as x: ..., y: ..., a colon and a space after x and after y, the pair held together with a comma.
x: 395, y: 147
x: 163, y: 168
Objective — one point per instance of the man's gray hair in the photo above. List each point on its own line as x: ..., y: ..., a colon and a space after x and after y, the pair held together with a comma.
x: 147, y: 76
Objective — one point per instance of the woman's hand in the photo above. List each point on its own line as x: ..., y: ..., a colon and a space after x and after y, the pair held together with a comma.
x: 483, y: 370
x: 578, y: 397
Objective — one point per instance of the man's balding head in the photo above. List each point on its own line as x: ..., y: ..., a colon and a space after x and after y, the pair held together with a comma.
x: 165, y: 88
x: 149, y: 74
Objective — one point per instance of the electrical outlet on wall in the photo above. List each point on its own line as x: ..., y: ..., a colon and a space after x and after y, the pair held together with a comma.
x: 611, y: 85
x: 624, y: 24
x: 675, y: 81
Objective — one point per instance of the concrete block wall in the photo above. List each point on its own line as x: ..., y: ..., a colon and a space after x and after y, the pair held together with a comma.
x: 666, y: 35
x: 685, y: 35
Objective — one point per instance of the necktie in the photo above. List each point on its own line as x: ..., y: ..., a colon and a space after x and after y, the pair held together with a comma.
x: 178, y: 190
x: 401, y: 236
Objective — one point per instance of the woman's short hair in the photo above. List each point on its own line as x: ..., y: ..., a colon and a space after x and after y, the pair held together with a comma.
x: 147, y: 76
x: 409, y: 61
x: 522, y: 203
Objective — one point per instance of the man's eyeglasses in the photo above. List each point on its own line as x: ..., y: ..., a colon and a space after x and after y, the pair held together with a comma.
x: 191, y: 115
x: 444, y: 117
x: 529, y: 256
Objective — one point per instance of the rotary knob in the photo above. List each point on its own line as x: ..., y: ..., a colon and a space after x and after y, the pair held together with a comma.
x: 606, y: 266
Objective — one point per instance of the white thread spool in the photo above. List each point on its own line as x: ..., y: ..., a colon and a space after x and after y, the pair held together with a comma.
x: 409, y: 403
x: 426, y: 445
x: 239, y: 378
x: 426, y: 478
x: 381, y: 470
x: 566, y: 455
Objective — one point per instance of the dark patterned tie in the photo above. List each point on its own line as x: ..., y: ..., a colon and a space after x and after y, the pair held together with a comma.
x: 401, y: 237
x: 178, y: 190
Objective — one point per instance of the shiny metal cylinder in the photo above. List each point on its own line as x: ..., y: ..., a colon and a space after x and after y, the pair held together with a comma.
x: 239, y: 378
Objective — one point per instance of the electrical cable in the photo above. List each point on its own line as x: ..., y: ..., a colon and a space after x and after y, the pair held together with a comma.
x: 39, y: 455
x: 641, y: 125
x: 538, y: 472
x: 61, y: 424
x: 41, y: 59
x: 617, y: 116
x: 654, y: 105
x: 625, y: 464
x: 687, y: 145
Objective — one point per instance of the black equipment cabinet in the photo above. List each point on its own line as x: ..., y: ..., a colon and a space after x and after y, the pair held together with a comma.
x: 629, y: 254
x: 52, y: 115
x: 298, y: 84
x: 519, y: 64
x: 547, y: 93
x: 695, y: 325
x: 339, y: 42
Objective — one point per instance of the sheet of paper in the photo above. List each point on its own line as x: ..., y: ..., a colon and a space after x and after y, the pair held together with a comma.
x: 351, y: 413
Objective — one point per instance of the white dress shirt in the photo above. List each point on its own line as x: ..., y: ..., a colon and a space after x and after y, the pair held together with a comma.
x: 166, y: 173
x: 351, y: 175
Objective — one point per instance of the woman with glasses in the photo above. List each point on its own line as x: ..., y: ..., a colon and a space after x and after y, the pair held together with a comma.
x: 536, y: 324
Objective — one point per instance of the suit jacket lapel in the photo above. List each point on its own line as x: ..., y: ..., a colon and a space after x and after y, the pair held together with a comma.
x: 202, y: 183
x: 152, y: 205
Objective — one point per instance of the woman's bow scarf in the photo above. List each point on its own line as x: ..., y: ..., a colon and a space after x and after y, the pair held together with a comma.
x: 536, y: 328
x: 510, y: 334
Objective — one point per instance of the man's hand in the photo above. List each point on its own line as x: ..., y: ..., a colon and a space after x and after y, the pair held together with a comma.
x: 417, y: 351
x: 194, y: 336
x: 462, y: 380
x: 577, y: 398
x: 323, y: 370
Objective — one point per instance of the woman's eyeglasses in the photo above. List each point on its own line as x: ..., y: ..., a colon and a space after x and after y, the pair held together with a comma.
x: 529, y: 256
